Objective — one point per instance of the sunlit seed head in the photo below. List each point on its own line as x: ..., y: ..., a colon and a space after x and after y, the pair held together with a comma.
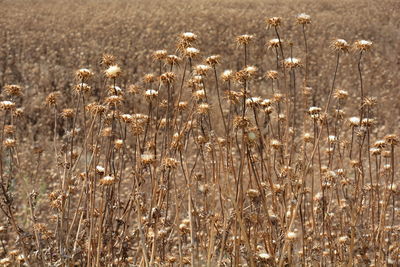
x: 113, y: 71
x: 244, y: 39
x: 160, y: 54
x: 149, y: 78
x: 303, y: 19
x: 83, y: 74
x: 213, y: 60
x: 150, y: 94
x: 274, y: 43
x: 100, y: 169
x: 274, y: 21
x: 199, y: 94
x: 188, y: 36
x: 340, y: 45
x: 354, y: 121
x: 271, y: 74
x: 9, y: 143
x: 227, y: 75
x: 292, y: 62
x: 107, y: 180
x: 173, y: 60
x: 201, y: 69
x: 7, y: 105
x: 191, y: 52
x: 203, y: 108
x: 253, y: 101
x: 340, y: 94
x: 362, y: 45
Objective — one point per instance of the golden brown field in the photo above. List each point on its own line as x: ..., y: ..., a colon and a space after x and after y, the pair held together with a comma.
x: 199, y: 133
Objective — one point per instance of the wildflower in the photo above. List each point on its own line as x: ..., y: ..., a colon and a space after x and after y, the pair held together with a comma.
x: 173, y: 60
x: 274, y: 43
x: 160, y: 54
x: 213, y: 60
x: 362, y: 45
x: 227, y: 75
x: 113, y: 71
x: 354, y: 121
x: 292, y: 62
x: 340, y: 45
x: 201, y: 69
x: 107, y: 180
x: 51, y: 99
x: 274, y: 21
x: 272, y: 74
x: 188, y: 36
x: 244, y: 39
x: 83, y: 74
x: 107, y: 60
x: 168, y: 77
x: 151, y: 94
x: 7, y: 105
x: 13, y: 90
x: 147, y: 159
x: 191, y: 52
x: 303, y: 19
x: 9, y: 143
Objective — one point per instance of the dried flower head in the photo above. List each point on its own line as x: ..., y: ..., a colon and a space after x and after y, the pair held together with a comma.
x: 67, y: 113
x: 83, y: 74
x: 340, y: 45
x: 203, y: 108
x: 244, y: 39
x: 271, y: 74
x: 392, y: 139
x: 149, y: 78
x: 160, y: 54
x: 170, y: 163
x: 213, y: 60
x: 51, y: 99
x: 340, y: 94
x: 173, y: 60
x: 113, y: 71
x: 292, y: 62
x: 9, y: 143
x: 151, y: 94
x: 274, y: 43
x: 303, y: 19
x: 7, y: 105
x: 274, y: 21
x: 168, y: 77
x: 107, y: 180
x: 227, y: 75
x: 354, y: 121
x: 191, y: 52
x: 13, y: 90
x: 188, y: 37
x: 201, y: 69
x: 107, y: 60
x: 362, y: 45
x: 82, y: 88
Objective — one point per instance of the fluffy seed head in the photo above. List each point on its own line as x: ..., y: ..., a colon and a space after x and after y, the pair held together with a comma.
x: 292, y: 62
x: 83, y: 74
x: 113, y: 71
x: 9, y: 143
x: 340, y: 45
x: 362, y: 45
x: 244, y: 39
x: 7, y: 105
x: 227, y: 75
x: 107, y: 180
x: 273, y: 43
x: 213, y: 60
x: 188, y: 36
x: 303, y: 19
x: 160, y: 54
x: 191, y: 52
x: 271, y: 74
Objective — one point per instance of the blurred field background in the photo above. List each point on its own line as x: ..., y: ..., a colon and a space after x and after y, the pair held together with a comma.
x: 43, y: 43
